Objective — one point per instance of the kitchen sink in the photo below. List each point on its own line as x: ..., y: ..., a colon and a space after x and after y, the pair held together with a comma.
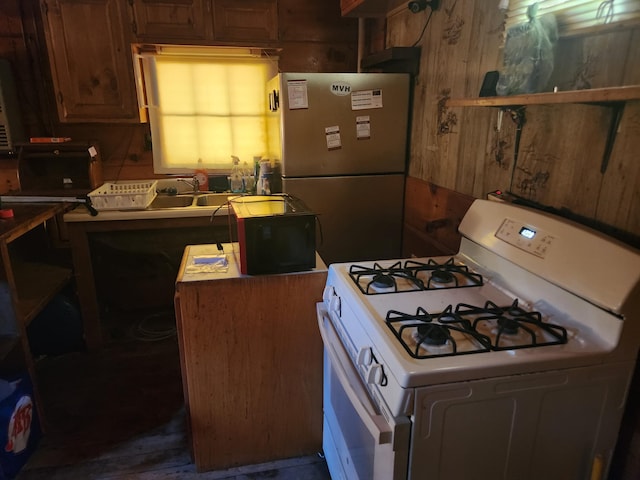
x: 212, y: 199
x: 188, y: 200
x: 171, y: 201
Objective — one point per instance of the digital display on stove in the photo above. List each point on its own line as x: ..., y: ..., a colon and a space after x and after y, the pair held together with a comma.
x: 527, y: 233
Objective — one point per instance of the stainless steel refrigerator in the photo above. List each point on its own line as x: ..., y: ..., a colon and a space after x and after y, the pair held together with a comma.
x: 341, y: 140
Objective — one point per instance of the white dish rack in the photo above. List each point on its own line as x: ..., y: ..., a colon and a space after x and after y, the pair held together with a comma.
x: 126, y: 195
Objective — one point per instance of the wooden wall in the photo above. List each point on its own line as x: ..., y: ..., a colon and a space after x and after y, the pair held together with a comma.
x: 561, y: 148
x: 313, y: 37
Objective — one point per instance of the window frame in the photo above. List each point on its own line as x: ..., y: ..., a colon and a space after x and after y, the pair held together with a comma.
x: 145, y: 66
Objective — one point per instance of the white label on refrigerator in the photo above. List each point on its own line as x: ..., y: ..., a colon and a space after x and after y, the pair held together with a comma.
x: 340, y: 89
x: 333, y: 137
x: 297, y: 94
x: 363, y: 127
x: 365, y: 99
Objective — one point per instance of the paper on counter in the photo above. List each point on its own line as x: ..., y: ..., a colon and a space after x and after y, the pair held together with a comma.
x: 208, y: 264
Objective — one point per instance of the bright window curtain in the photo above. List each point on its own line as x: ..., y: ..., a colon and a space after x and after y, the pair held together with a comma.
x: 206, y: 107
x: 578, y: 17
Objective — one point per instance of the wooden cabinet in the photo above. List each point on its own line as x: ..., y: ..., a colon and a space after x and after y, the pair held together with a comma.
x: 245, y: 20
x: 171, y: 20
x: 251, y: 358
x: 205, y: 21
x: 90, y: 60
x: 134, y: 273
x: 30, y: 276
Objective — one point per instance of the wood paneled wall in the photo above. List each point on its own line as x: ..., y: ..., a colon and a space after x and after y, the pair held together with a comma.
x: 561, y: 152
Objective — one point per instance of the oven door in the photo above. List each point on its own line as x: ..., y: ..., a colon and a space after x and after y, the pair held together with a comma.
x: 358, y: 442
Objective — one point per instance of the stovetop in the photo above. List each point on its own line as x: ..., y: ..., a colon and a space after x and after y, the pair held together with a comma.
x: 436, y: 331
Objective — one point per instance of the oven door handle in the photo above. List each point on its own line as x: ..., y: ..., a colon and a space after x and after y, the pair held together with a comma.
x: 351, y: 383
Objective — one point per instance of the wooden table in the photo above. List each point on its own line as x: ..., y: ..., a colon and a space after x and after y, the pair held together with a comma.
x: 251, y: 358
x: 29, y: 279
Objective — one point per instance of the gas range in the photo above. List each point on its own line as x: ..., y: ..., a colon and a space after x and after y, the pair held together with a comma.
x: 533, y: 324
x: 521, y: 294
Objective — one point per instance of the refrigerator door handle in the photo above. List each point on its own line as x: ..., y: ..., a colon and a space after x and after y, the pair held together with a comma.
x: 274, y: 101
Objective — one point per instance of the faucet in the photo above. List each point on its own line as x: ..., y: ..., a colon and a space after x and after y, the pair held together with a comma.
x: 193, y: 183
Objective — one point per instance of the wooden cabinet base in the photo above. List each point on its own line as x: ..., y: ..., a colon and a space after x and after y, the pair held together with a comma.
x: 251, y: 357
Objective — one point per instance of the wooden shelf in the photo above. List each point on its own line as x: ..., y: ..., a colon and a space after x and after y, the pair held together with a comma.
x: 596, y: 96
x: 37, y: 284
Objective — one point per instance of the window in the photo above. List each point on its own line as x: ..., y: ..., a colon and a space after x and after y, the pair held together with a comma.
x: 577, y: 17
x: 205, y: 103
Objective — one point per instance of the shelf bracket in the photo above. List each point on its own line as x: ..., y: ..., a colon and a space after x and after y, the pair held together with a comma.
x: 517, y: 114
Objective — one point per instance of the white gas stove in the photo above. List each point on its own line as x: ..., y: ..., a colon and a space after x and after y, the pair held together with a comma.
x: 465, y: 357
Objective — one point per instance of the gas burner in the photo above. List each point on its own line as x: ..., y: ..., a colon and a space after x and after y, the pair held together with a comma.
x: 379, y: 279
x: 431, y: 334
x: 383, y: 280
x: 425, y: 336
x: 508, y: 325
x: 443, y: 275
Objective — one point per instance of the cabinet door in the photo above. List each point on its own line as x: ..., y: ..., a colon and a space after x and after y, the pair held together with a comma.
x: 90, y: 60
x: 245, y: 20
x: 172, y: 20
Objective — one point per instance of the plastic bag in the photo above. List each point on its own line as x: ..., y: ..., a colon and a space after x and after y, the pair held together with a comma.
x: 528, y: 55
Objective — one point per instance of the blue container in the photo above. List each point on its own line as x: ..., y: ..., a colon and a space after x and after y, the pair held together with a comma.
x: 19, y: 424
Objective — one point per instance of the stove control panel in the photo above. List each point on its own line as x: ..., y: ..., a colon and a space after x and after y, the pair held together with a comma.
x: 525, y: 237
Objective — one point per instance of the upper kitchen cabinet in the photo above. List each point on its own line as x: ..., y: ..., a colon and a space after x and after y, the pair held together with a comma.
x: 90, y: 60
x: 205, y: 21
x: 172, y: 20
x: 245, y: 20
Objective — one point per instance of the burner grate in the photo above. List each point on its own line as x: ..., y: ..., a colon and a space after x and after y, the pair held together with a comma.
x: 379, y: 279
x: 508, y: 321
x: 469, y: 329
x: 405, y: 278
x: 445, y: 275
x: 442, y: 335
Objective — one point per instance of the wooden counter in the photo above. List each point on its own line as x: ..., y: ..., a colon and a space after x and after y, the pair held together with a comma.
x: 251, y: 358
x: 81, y: 227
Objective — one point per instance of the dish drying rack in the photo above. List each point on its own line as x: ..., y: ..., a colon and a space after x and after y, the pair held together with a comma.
x: 126, y: 195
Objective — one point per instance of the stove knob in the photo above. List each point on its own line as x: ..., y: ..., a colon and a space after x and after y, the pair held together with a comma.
x: 374, y: 375
x: 365, y: 357
x: 328, y: 292
x: 334, y: 305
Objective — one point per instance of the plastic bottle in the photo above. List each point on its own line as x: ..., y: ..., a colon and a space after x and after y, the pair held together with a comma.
x: 249, y: 179
x: 264, y: 187
x: 202, y: 176
x: 235, y: 179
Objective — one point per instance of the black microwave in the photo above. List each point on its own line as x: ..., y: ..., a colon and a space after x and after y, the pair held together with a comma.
x: 276, y: 234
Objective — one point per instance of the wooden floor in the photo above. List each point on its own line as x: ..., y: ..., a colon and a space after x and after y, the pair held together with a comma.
x: 119, y: 413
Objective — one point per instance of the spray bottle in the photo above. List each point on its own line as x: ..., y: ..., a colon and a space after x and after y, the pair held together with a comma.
x: 235, y: 179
